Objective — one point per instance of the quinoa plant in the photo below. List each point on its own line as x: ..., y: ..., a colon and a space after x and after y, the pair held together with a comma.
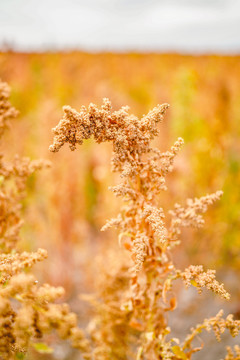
x: 135, y: 293
x: 27, y: 310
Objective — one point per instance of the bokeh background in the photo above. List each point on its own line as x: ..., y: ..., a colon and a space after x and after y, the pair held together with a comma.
x: 139, y: 53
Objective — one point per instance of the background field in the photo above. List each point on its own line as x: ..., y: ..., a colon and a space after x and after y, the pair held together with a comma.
x: 67, y: 204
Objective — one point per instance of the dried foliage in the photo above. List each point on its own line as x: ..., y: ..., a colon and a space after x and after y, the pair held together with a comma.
x: 13, y: 263
x: 135, y: 297
x: 197, y: 276
x: 7, y: 111
x: 230, y: 353
x: 36, y: 315
x: 14, y: 177
x: 27, y: 311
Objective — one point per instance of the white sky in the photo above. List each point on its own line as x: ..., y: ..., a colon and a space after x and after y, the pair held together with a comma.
x: 142, y: 25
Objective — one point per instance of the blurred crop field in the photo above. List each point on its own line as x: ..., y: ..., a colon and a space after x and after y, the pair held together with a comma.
x: 67, y: 204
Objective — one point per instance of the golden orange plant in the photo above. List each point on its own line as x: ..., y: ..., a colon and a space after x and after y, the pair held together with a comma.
x: 27, y: 310
x: 135, y: 294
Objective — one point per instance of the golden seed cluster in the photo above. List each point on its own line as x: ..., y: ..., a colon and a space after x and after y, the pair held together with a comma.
x: 133, y: 298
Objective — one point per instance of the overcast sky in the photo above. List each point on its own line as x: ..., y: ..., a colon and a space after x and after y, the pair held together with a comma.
x: 142, y: 25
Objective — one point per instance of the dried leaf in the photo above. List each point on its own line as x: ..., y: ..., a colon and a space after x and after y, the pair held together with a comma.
x: 178, y: 352
x: 42, y: 348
